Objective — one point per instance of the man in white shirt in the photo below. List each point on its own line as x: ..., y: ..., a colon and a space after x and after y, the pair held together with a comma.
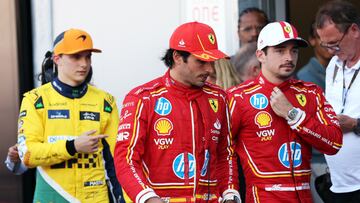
x: 338, y: 25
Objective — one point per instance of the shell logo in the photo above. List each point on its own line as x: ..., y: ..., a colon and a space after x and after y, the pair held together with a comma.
x: 163, y: 126
x: 263, y: 119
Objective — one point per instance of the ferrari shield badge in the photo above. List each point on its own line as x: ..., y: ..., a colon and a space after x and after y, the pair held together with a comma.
x: 214, y: 104
x: 301, y: 99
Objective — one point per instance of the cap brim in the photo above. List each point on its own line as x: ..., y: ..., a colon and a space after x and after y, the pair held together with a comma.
x: 301, y: 42
x: 209, y: 55
x: 96, y: 50
x: 77, y: 51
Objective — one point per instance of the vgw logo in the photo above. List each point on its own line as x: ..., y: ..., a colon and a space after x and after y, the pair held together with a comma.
x: 283, y: 154
x: 163, y: 106
x: 259, y: 101
x: 179, y: 165
x: 266, y: 135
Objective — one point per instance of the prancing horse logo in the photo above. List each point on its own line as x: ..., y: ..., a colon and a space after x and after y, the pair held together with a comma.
x: 214, y: 104
x: 301, y: 99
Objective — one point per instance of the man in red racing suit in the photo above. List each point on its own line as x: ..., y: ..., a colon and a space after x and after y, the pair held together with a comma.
x: 276, y: 120
x: 173, y: 142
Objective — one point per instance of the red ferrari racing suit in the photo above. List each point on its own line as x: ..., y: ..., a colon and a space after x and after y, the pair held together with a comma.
x: 274, y: 154
x: 174, y: 142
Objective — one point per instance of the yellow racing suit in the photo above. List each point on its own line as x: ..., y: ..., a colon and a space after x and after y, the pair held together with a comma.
x: 51, y: 117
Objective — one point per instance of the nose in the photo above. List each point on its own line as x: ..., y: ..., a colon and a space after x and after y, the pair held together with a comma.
x: 83, y: 61
x: 289, y: 56
x: 254, y: 32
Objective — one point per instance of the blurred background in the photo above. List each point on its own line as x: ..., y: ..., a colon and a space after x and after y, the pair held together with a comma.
x: 133, y: 36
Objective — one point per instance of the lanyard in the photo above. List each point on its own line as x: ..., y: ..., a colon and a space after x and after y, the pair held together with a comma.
x: 346, y: 90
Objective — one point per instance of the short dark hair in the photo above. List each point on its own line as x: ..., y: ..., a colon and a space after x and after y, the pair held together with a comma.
x: 342, y: 13
x: 168, y: 57
x: 265, y: 50
x: 251, y: 10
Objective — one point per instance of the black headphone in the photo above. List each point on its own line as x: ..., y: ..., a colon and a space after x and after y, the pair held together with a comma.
x: 49, y: 71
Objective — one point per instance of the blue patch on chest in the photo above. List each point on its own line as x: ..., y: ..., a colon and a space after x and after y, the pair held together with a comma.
x: 58, y: 114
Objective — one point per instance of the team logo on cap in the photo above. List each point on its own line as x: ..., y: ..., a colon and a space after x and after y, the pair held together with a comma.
x: 181, y: 43
x: 301, y: 99
x: 211, y: 38
x: 204, y: 56
x: 83, y: 37
x: 263, y: 119
x: 163, y: 126
x: 214, y: 104
x: 287, y: 29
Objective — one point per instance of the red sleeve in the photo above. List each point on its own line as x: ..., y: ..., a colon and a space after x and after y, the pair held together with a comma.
x: 227, y: 163
x: 130, y: 148
x: 321, y: 130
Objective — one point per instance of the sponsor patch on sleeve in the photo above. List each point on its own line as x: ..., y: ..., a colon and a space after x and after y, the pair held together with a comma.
x: 39, y: 103
x: 107, y: 107
x: 22, y: 114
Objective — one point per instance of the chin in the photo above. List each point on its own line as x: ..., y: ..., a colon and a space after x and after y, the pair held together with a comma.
x: 198, y: 84
x: 80, y: 80
x: 286, y: 75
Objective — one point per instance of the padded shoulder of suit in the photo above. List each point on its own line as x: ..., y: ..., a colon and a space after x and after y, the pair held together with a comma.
x: 303, y: 84
x: 34, y: 94
x: 214, y: 88
x: 242, y: 87
x: 107, y: 96
x: 148, y: 87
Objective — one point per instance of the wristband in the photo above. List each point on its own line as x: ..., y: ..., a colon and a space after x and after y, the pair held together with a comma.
x: 70, y: 147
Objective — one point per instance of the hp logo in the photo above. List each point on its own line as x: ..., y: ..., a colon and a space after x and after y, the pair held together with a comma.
x: 259, y: 101
x: 179, y: 166
x: 283, y: 154
x: 163, y: 106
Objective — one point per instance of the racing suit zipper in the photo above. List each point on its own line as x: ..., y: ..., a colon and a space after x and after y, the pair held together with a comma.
x: 292, y: 152
x: 193, y: 145
x: 77, y: 132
